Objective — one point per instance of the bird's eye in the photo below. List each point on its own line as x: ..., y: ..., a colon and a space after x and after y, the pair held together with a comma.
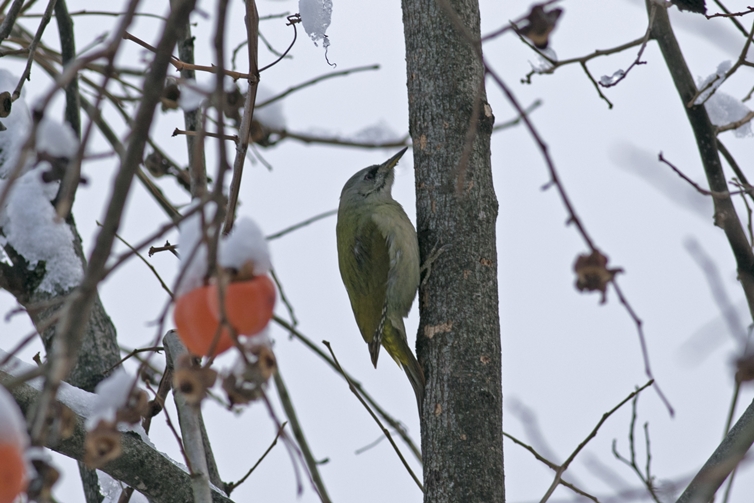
x: 370, y: 175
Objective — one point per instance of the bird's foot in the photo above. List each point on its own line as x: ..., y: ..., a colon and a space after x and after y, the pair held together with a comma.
x: 433, y: 255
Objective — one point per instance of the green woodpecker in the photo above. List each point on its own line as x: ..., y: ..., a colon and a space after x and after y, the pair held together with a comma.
x: 378, y: 255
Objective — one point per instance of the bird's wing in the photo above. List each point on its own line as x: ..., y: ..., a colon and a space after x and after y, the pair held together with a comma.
x: 364, y: 264
x: 403, y: 254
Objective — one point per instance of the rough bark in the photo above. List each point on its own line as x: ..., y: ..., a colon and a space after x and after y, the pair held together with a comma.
x: 458, y: 343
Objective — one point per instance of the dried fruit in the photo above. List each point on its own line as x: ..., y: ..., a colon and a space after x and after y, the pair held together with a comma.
x: 101, y: 445
x: 592, y: 273
x: 540, y: 25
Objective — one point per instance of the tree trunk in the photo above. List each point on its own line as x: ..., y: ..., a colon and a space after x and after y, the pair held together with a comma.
x: 458, y: 343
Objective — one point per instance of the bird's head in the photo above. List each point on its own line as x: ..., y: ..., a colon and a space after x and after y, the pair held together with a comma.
x: 372, y: 183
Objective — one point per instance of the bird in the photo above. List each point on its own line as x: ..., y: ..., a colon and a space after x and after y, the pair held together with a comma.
x: 378, y: 257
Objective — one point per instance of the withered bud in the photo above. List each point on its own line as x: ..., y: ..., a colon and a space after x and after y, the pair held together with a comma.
x: 170, y: 95
x: 6, y: 103
x: 540, y: 25
x: 135, y: 408
x: 40, y: 487
x: 745, y: 369
x: 156, y: 164
x: 246, y: 386
x: 191, y: 379
x: 101, y: 445
x: 592, y: 273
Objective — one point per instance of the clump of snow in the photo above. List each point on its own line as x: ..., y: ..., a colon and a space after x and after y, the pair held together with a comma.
x: 606, y: 80
x: 112, y: 394
x: 12, y: 422
x: 56, y: 139
x: 269, y: 115
x: 32, y: 227
x: 724, y: 109
x: 245, y: 243
x: 194, y: 93
x: 316, y: 16
x: 28, y: 220
x: 714, y: 81
x: 111, y: 489
x: 543, y: 64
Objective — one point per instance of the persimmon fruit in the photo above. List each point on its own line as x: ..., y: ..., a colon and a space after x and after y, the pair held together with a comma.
x: 12, y: 472
x: 248, y: 304
x: 248, y: 308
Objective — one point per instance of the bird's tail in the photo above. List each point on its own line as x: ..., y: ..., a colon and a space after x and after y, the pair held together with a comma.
x: 416, y: 377
x: 394, y: 341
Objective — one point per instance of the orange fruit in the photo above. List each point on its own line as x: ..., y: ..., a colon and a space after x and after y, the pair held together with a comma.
x: 248, y: 304
x: 248, y: 307
x: 12, y: 472
x: 197, y: 325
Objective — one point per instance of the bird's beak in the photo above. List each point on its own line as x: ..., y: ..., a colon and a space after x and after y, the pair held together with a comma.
x: 393, y: 161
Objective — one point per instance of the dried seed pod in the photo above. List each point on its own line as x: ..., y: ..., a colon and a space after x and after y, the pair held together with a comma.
x: 101, y: 445
x: 244, y: 385
x: 192, y: 380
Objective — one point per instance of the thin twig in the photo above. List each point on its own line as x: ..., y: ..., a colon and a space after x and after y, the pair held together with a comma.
x: 299, y: 225
x: 32, y: 49
x: 646, y: 478
x: 395, y: 424
x: 699, y: 188
x: 283, y: 134
x: 733, y: 19
x: 638, y: 60
x: 551, y: 465
x: 292, y: 20
x: 316, y: 80
x: 737, y: 124
x: 146, y: 262
x: 232, y: 485
x: 10, y: 19
x: 134, y: 352
x: 563, y: 467
x: 374, y: 416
